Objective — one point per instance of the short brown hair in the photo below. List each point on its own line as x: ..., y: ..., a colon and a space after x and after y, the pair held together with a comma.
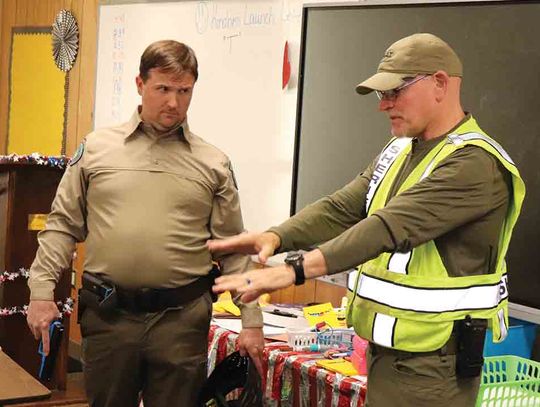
x: 168, y: 56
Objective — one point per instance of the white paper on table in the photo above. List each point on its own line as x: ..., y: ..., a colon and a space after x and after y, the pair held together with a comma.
x: 286, y: 322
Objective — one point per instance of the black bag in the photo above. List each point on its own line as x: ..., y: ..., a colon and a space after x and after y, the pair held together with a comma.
x: 233, y: 372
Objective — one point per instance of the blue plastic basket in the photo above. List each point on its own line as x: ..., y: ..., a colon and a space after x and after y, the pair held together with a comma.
x: 338, y: 337
x: 519, y: 341
x: 333, y: 337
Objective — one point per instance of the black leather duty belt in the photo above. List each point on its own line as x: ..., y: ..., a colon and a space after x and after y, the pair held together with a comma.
x: 104, y: 296
x: 155, y: 300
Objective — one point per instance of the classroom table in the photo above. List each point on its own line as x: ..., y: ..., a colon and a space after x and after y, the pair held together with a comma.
x: 292, y: 378
x: 17, y: 385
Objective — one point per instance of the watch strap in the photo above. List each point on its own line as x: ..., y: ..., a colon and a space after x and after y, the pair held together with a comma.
x: 297, y: 263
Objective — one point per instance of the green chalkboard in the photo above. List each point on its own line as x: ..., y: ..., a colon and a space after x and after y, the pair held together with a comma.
x: 340, y: 132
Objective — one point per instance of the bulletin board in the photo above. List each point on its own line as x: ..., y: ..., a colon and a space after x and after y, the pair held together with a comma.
x: 37, y: 95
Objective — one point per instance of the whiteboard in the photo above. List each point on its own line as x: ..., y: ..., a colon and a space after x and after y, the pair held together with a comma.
x: 238, y: 103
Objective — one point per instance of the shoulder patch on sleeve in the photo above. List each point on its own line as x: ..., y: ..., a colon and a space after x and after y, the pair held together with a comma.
x: 233, y: 176
x: 78, y: 154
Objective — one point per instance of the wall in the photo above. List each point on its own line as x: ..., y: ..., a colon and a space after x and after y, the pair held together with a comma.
x: 41, y: 13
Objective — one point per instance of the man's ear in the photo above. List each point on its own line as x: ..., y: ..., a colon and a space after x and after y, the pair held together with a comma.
x: 140, y: 83
x: 441, y: 80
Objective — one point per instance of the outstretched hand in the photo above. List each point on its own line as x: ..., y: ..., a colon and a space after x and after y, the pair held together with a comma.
x: 251, y: 284
x: 263, y: 244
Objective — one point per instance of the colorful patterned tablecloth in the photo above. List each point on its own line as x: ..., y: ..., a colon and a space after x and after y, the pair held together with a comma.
x: 292, y: 378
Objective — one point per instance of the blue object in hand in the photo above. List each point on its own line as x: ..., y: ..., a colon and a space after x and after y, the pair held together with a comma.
x: 46, y: 369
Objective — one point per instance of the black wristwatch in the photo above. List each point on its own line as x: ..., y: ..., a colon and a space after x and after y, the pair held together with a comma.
x: 296, y: 260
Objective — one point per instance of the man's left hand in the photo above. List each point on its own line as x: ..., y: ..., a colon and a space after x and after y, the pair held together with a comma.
x: 251, y: 284
x: 251, y: 341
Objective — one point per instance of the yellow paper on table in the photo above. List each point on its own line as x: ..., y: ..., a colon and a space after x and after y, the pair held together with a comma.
x: 224, y: 304
x: 341, y: 366
x: 321, y: 313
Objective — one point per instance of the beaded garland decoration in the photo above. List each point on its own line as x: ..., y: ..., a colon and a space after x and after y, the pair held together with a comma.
x: 7, y: 276
x: 59, y: 162
x: 65, y: 307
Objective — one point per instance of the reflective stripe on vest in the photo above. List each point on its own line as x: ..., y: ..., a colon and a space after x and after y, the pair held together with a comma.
x: 433, y: 300
x: 386, y: 159
x: 399, y: 261
x: 383, y: 330
x: 458, y: 139
x: 351, y: 280
x: 502, y: 323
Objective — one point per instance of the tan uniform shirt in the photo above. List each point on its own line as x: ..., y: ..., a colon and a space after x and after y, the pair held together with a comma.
x: 145, y: 205
x: 461, y: 205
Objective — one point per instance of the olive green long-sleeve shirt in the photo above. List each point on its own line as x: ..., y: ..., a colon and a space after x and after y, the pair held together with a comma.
x: 145, y: 204
x: 461, y: 205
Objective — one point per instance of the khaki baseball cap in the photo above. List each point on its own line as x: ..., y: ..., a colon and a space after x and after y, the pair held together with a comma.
x: 416, y: 54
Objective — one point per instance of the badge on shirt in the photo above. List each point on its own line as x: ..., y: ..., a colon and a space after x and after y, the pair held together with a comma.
x: 78, y: 154
x: 233, y: 177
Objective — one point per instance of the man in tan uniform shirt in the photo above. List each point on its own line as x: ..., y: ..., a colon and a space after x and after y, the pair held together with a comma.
x: 461, y: 205
x: 145, y: 196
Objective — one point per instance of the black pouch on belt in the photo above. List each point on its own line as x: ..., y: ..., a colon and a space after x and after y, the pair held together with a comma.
x: 471, y: 335
x: 214, y: 273
x: 97, y: 294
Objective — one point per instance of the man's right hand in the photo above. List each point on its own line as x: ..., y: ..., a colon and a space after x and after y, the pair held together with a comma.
x: 263, y: 244
x: 39, y: 317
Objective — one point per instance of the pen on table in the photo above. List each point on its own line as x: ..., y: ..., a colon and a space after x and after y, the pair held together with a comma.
x: 340, y: 354
x: 283, y: 313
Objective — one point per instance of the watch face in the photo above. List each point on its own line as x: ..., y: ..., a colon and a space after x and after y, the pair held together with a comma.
x: 293, y: 257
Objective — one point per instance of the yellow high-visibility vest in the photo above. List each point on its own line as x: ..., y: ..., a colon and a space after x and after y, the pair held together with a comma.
x: 407, y: 301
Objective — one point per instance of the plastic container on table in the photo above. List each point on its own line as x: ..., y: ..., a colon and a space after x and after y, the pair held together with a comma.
x: 338, y: 338
x: 509, y: 381
x: 519, y: 341
x: 358, y: 356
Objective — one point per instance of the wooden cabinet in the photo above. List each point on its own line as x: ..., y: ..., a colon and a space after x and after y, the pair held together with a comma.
x: 26, y: 190
x: 313, y: 291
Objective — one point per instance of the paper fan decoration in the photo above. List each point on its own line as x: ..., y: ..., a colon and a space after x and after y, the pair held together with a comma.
x: 65, y: 40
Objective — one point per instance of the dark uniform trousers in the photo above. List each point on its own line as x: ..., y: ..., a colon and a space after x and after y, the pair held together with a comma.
x: 160, y: 356
x: 402, y: 379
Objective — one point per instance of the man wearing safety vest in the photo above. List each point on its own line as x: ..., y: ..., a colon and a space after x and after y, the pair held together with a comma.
x: 429, y: 222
